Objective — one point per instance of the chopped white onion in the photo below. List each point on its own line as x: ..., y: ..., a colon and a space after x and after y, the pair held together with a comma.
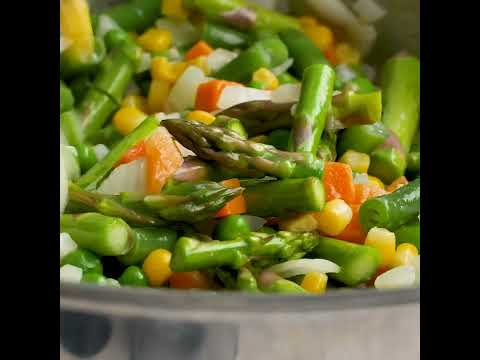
x: 111, y: 282
x: 345, y: 72
x: 234, y: 95
x: 219, y: 58
x: 183, y: 150
x: 130, y: 177
x: 396, y: 278
x: 280, y: 69
x: 67, y: 245
x: 369, y: 10
x: 286, y: 93
x: 63, y: 184
x: 303, y: 266
x: 100, y: 151
x: 416, y: 265
x: 183, y: 33
x: 255, y: 222
x: 105, y: 24
x: 70, y: 161
x: 160, y: 116
x: 71, y: 274
x: 145, y: 63
x: 173, y: 54
x: 183, y: 93
x: 361, y: 178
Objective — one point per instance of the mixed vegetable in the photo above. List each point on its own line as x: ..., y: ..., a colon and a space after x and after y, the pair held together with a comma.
x: 223, y: 145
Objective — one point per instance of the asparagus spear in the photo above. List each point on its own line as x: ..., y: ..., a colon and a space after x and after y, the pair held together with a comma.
x: 104, y: 235
x: 284, y: 197
x: 191, y: 202
x: 303, y: 51
x: 362, y: 138
x: 191, y: 254
x: 392, y: 210
x: 71, y: 128
x: 231, y: 124
x: 100, y: 169
x: 66, y: 98
x: 266, y: 53
x: 243, y: 14
x: 312, y: 107
x: 358, y: 263
x: 231, y: 151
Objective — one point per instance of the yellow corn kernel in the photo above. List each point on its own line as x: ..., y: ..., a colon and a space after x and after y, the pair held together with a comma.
x: 375, y: 181
x: 137, y: 101
x: 157, y: 95
x: 359, y: 162
x: 200, y: 62
x: 162, y: 69
x: 306, y: 21
x: 266, y: 77
x: 156, y: 267
x: 321, y: 35
x: 174, y: 9
x: 299, y: 223
x: 315, y: 282
x: 75, y: 25
x: 155, y: 40
x: 127, y: 119
x: 334, y: 217
x: 404, y: 255
x: 346, y: 54
x: 201, y: 116
x: 384, y: 241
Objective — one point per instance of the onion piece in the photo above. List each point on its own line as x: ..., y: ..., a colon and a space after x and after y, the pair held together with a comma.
x: 160, y: 116
x: 369, y: 10
x: 144, y: 64
x: 280, y: 69
x: 100, y: 151
x: 67, y: 245
x: 71, y: 274
x: 130, y: 177
x: 219, y: 58
x: 183, y: 150
x: 63, y: 184
x: 234, y: 95
x: 183, y: 32
x: 192, y: 169
x: 64, y: 43
x: 303, y: 266
x: 255, y: 222
x: 345, y: 73
x: 396, y: 278
x: 286, y: 93
x: 361, y: 178
x: 267, y: 278
x: 183, y: 93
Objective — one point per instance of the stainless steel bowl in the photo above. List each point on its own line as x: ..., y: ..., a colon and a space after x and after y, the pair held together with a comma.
x: 145, y: 324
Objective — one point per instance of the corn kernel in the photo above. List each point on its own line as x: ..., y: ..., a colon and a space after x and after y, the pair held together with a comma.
x: 359, y: 162
x: 321, y: 35
x: 157, y: 267
x: 315, y: 282
x: 200, y: 62
x: 136, y: 101
x: 404, y: 255
x: 155, y: 40
x: 306, y: 21
x: 157, y: 95
x: 174, y: 9
x: 201, y: 116
x: 75, y: 25
x: 299, y: 223
x: 266, y: 77
x: 127, y: 119
x: 346, y: 54
x: 384, y: 241
x: 334, y: 217
x: 375, y: 181
x: 161, y: 69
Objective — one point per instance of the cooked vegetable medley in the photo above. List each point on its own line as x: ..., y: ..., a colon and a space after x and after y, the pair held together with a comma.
x: 222, y: 145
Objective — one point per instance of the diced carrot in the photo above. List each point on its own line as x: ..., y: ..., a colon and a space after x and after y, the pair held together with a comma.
x: 163, y: 159
x: 354, y: 231
x: 362, y: 193
x: 235, y: 206
x: 399, y: 182
x: 338, y: 182
x: 189, y: 280
x: 134, y: 153
x: 208, y: 94
x: 201, y: 48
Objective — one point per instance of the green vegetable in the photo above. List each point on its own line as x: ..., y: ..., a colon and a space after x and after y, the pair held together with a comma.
x: 409, y: 233
x: 303, y: 51
x: 79, y: 87
x: 286, y: 78
x: 135, y: 15
x: 285, y: 197
x: 71, y: 128
x: 133, y: 276
x: 358, y: 263
x: 246, y: 281
x: 358, y: 108
x: 256, y: 84
x: 387, y: 163
x: 104, y: 235
x: 283, y: 286
x: 392, y: 210
x: 413, y: 164
x: 145, y: 241
x: 311, y: 111
x: 108, y: 136
x: 85, y: 260
x: 362, y: 138
x: 71, y: 64
x: 232, y: 227
x: 86, y: 157
x: 66, y: 98
x: 279, y: 139
x: 266, y: 53
x: 230, y: 123
x: 221, y: 36
x: 94, y: 278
